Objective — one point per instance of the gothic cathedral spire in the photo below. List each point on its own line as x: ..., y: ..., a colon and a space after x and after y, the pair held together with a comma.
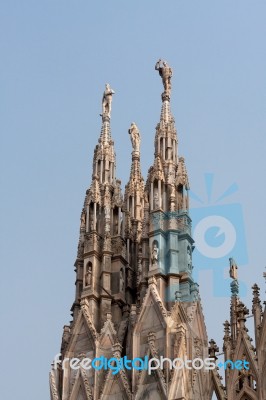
x: 135, y: 293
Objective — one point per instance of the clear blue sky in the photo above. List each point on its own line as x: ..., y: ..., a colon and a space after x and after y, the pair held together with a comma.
x: 56, y: 57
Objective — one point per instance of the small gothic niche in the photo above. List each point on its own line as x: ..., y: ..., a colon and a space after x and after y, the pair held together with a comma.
x: 155, y: 252
x: 156, y: 199
x: 121, y: 281
x: 189, y: 258
x: 88, y: 274
x: 115, y: 221
x: 180, y: 195
x: 91, y: 221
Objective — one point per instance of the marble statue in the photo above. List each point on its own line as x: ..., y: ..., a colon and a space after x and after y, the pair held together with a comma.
x: 134, y: 136
x: 107, y: 212
x: 82, y: 220
x: 88, y: 276
x: 166, y: 73
x: 156, y: 200
x: 155, y: 254
x: 107, y: 101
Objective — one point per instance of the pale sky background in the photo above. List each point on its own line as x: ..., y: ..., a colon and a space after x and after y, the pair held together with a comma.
x: 56, y: 57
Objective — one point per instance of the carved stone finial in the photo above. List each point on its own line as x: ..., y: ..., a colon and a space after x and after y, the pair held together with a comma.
x: 108, y: 316
x: 107, y: 102
x: 151, y: 337
x: 117, y: 350
x: 166, y: 74
x: 134, y: 136
x: 242, y: 311
x: 213, y: 348
x: 256, y: 292
x: 226, y: 329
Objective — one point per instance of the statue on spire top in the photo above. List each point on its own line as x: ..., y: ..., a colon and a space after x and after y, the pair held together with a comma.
x: 166, y: 74
x: 134, y: 136
x: 107, y: 101
x: 233, y: 269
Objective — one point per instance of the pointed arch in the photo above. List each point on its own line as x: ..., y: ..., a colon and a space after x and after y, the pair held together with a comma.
x: 78, y: 391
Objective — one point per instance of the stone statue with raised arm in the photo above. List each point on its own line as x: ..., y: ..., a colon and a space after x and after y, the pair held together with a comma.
x: 165, y: 73
x: 134, y: 136
x: 107, y: 101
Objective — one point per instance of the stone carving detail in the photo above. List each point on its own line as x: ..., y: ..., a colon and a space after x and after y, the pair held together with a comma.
x: 88, y: 276
x: 182, y: 177
x: 120, y: 376
x: 158, y: 300
x: 117, y: 197
x: 133, y: 314
x: 83, y: 220
x: 107, y: 101
x: 156, y: 201
x: 139, y: 232
x: 126, y: 385
x: 197, y: 346
x: 129, y: 278
x: 179, y: 340
x: 84, y: 308
x: 86, y: 384
x: 121, y: 280
x: 93, y: 242
x: 134, y: 136
x: 154, y: 353
x: 139, y: 271
x: 107, y: 212
x: 122, y: 330
x: 155, y: 254
x: 189, y: 258
x: 177, y: 296
x: 108, y: 325
x: 191, y: 310
x: 80, y: 249
x: 53, y: 387
x: 166, y: 74
x: 118, y: 246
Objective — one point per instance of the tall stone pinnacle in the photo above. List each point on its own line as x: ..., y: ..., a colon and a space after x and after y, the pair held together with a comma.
x: 134, y: 190
x: 106, y: 114
x: 104, y: 154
